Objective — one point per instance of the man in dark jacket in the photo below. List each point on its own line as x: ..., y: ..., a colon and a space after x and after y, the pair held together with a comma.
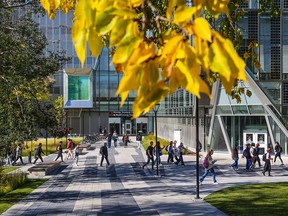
x: 150, y: 155
x: 59, y: 151
x: 38, y: 152
x: 104, y: 153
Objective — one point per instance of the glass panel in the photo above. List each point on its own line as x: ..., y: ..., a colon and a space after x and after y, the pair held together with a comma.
x: 78, y: 87
x: 240, y: 109
x: 217, y: 142
x: 223, y: 110
x: 256, y: 109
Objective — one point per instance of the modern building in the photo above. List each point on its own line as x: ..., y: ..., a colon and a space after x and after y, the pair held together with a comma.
x: 90, y: 101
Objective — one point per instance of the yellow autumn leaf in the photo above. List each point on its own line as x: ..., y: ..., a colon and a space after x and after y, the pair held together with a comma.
x: 50, y: 6
x: 202, y: 52
x: 84, y: 13
x: 124, y: 96
x: 94, y: 42
x: 199, y: 4
x: 105, y: 21
x: 147, y: 99
x: 201, y: 28
x: 142, y: 53
x: 118, y: 32
x: 130, y: 80
x: 124, y: 51
x: 217, y: 7
x: 79, y: 41
x: 169, y: 52
x: 183, y: 14
x: 225, y: 60
x: 136, y: 3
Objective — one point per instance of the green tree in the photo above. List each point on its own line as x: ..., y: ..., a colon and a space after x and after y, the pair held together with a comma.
x: 25, y: 102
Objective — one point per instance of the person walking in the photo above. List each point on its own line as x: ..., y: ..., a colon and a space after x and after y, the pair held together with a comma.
x: 76, y: 153
x: 125, y: 139
x: 180, y: 149
x: 8, y: 152
x: 267, y: 165
x: 253, y: 155
x: 109, y: 139
x: 278, y: 151
x: 139, y: 140
x: 170, y: 151
x: 257, y: 158
x: 175, y: 151
x: 104, y: 153
x: 18, y: 154
x: 235, y: 158
x: 158, y: 157
x: 70, y: 148
x: 37, y: 153
x: 210, y: 167
x: 247, y: 155
x: 115, y: 138
x: 150, y: 156
x: 59, y: 151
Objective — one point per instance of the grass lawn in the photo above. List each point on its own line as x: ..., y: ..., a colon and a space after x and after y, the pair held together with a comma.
x: 10, y: 168
x: 254, y: 199
x: 16, y: 195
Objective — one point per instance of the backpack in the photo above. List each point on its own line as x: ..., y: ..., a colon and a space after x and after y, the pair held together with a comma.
x: 280, y: 149
x: 245, y: 152
x: 254, y: 152
x: 264, y: 157
x: 205, y: 163
x: 101, y: 150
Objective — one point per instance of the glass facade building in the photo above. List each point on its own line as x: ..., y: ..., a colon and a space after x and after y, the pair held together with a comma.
x: 223, y: 123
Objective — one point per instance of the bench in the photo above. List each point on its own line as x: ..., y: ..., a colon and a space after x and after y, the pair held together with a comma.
x: 45, y: 168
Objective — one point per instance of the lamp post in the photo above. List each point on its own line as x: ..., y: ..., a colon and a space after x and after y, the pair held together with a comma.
x: 197, y: 143
x: 155, y: 109
x: 197, y: 148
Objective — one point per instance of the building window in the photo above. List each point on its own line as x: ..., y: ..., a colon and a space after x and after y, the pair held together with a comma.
x: 78, y: 88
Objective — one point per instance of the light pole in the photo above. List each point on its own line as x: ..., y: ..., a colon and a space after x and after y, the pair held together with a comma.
x: 197, y: 147
x: 155, y: 109
x: 197, y: 143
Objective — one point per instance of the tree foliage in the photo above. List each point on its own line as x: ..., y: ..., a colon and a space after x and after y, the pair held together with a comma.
x: 25, y: 102
x: 158, y: 45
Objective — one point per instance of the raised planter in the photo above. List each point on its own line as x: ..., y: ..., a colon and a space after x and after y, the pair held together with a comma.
x: 45, y: 168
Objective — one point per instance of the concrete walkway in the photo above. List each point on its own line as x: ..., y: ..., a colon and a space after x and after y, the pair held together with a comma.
x: 124, y: 188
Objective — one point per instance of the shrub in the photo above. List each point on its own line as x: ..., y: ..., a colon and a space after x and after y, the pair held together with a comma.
x: 9, y: 182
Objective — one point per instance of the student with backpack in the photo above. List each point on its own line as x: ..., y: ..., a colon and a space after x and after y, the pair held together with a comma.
x: 208, y: 165
x: 247, y: 155
x: 278, y: 151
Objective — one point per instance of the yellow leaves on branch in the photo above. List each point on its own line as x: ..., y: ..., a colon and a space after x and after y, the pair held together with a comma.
x: 155, y: 69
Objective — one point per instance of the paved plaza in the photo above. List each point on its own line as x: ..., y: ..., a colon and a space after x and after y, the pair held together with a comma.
x: 124, y: 188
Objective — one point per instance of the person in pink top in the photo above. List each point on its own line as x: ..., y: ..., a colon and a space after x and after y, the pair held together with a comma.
x: 70, y: 148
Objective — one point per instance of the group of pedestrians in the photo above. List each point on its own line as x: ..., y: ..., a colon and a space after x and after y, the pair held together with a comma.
x: 19, y: 152
x: 174, y: 152
x: 251, y: 154
x: 72, y: 151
